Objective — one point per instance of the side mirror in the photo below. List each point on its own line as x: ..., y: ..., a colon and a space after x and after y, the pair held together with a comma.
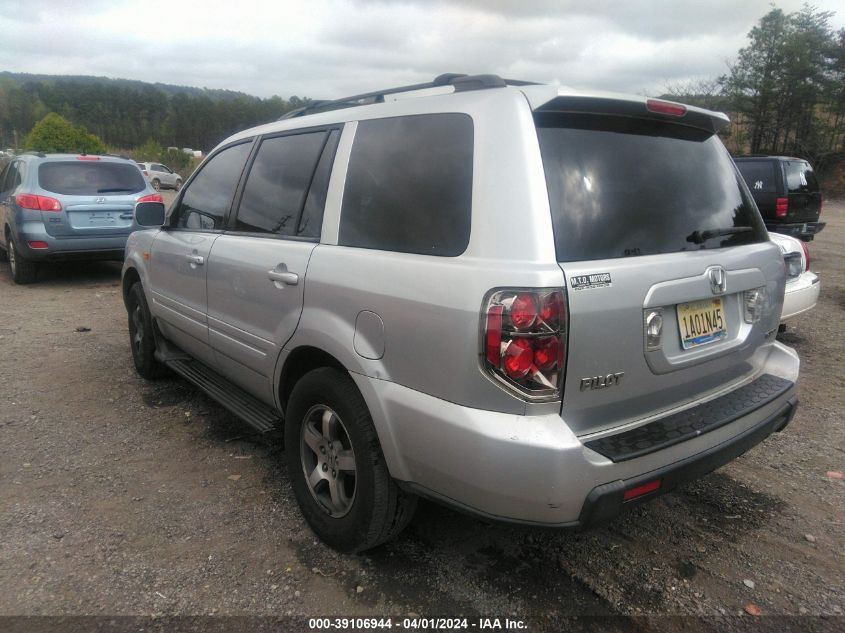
x: 149, y: 213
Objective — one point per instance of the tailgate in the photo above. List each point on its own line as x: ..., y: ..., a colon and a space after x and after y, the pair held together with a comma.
x: 652, y: 225
x: 614, y: 377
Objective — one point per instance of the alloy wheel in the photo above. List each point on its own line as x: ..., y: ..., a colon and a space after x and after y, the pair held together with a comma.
x: 328, y: 461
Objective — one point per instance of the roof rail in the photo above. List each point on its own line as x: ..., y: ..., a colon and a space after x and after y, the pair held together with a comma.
x: 461, y: 83
x: 39, y: 154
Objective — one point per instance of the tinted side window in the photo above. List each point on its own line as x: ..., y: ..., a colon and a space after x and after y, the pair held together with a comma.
x: 409, y: 185
x: 315, y: 203
x: 207, y: 199
x: 800, y: 177
x: 10, y: 178
x: 759, y: 175
x: 278, y: 180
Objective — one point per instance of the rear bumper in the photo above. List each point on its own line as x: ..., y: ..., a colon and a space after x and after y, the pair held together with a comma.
x: 802, y: 230
x: 608, y: 500
x: 801, y: 295
x: 534, y: 469
x: 110, y: 247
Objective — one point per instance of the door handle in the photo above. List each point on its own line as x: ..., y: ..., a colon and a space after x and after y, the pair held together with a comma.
x: 283, y: 276
x: 197, y: 260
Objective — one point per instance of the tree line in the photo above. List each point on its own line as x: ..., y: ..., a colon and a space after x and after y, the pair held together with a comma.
x: 785, y: 91
x: 127, y: 114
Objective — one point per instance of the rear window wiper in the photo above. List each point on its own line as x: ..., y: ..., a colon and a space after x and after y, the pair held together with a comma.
x: 699, y: 237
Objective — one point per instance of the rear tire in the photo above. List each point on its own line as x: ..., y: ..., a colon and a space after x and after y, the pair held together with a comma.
x: 142, y: 336
x: 352, y: 503
x: 178, y: 185
x: 156, y: 184
x: 23, y: 270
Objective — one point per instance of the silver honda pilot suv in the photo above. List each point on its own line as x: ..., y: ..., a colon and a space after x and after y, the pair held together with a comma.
x: 531, y: 304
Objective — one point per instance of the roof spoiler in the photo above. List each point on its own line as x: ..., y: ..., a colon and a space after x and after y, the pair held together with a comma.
x: 643, y: 108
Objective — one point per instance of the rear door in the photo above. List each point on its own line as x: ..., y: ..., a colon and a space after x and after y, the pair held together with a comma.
x: 803, y: 190
x: 652, y: 225
x: 256, y: 272
x: 97, y: 196
x: 179, y: 255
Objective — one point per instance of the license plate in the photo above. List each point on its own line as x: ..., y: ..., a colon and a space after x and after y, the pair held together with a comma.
x: 701, y: 322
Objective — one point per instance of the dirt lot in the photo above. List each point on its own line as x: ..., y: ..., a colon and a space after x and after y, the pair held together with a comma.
x: 119, y: 496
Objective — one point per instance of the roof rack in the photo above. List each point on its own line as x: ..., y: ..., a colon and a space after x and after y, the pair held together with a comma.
x: 39, y: 154
x: 461, y: 83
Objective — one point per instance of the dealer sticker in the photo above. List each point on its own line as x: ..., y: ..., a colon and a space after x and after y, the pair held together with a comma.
x: 595, y: 280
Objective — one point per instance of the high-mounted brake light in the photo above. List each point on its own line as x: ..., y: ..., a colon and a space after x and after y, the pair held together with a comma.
x: 86, y: 157
x: 153, y: 197
x: 781, y: 207
x: 524, y: 341
x: 37, y: 203
x: 665, y: 107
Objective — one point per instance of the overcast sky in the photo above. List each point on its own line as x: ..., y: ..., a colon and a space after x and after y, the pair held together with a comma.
x: 332, y: 48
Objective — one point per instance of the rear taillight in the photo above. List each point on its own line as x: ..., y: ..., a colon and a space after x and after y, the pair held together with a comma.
x: 781, y: 206
x: 153, y: 197
x: 806, y: 255
x: 524, y: 341
x: 665, y: 107
x: 37, y: 203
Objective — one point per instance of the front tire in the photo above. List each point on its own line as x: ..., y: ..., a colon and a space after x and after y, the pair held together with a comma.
x: 336, y: 466
x: 156, y: 184
x: 141, y: 335
x: 23, y: 270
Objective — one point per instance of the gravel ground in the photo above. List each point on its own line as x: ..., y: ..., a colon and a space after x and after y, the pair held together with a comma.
x: 119, y: 496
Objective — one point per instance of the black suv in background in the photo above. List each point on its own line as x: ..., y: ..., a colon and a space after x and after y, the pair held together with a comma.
x: 786, y: 192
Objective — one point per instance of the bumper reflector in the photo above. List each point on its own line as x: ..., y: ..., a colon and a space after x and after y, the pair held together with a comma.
x: 39, y: 245
x: 641, y: 490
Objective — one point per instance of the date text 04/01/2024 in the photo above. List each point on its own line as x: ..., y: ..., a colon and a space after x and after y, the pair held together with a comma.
x: 416, y: 623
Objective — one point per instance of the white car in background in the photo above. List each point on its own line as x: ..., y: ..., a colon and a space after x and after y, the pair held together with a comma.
x: 802, y: 286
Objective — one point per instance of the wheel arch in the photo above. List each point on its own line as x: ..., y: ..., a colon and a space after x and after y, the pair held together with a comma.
x: 299, y: 362
x: 308, y: 356
x: 131, y: 276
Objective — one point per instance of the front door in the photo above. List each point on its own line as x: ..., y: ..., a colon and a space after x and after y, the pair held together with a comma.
x: 180, y: 252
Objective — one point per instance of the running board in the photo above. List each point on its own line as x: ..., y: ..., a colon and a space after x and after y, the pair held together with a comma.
x: 244, y: 405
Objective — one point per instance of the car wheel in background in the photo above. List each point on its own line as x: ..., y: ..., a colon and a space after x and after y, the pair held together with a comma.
x: 336, y: 465
x: 23, y: 270
x: 156, y: 184
x: 178, y: 185
x: 141, y: 337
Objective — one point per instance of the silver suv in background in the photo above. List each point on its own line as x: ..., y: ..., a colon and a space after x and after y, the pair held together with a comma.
x: 161, y: 176
x: 55, y: 207
x: 534, y: 305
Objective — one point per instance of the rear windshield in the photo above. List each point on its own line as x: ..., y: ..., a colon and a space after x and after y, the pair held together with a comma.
x: 800, y: 177
x: 759, y: 175
x: 89, y: 178
x: 624, y: 187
